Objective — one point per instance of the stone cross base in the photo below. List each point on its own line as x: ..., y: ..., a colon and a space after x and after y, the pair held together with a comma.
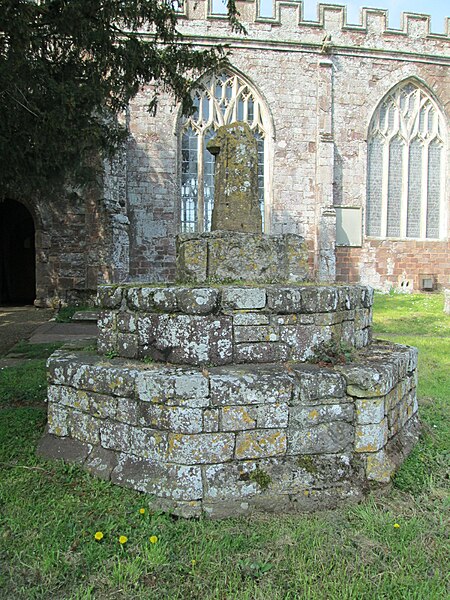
x: 231, y: 324
x: 227, y: 256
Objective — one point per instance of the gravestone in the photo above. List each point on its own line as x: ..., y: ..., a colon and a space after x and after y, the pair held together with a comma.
x: 236, y: 205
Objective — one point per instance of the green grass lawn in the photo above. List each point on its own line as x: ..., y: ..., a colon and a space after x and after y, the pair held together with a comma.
x: 50, y: 512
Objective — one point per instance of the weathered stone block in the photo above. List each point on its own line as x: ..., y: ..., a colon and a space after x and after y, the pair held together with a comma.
x: 165, y: 299
x: 303, y: 417
x: 262, y: 352
x: 192, y: 258
x: 115, y: 436
x: 68, y: 396
x: 211, y: 420
x: 107, y: 321
x: 303, y: 340
x: 348, y: 297
x: 109, y: 296
x: 192, y: 385
x: 370, y: 438
x: 202, y: 448
x: 284, y: 300
x: 224, y: 256
x: 244, y: 298
x: 163, y: 481
x: 140, y: 298
x: 171, y: 418
x: 85, y: 428
x: 314, y: 383
x: 147, y: 443
x: 363, y: 318
x: 127, y: 411
x: 58, y: 419
x: 317, y: 299
x: 105, y: 379
x: 65, y: 448
x: 255, y: 333
x: 197, y: 301
x: 177, y: 387
x: 295, y: 258
x: 333, y: 318
x: 126, y: 322
x: 238, y: 418
x: 336, y: 436
x: 189, y: 339
x: 101, y: 462
x: 256, y: 385
x: 413, y: 358
x: 379, y: 467
x: 250, y: 318
x: 101, y: 405
x: 260, y: 443
x: 229, y: 481
x: 368, y: 381
x: 365, y: 296
x: 369, y: 410
x: 235, y: 418
x: 127, y: 345
x: 152, y: 299
x: 274, y: 415
x: 107, y: 342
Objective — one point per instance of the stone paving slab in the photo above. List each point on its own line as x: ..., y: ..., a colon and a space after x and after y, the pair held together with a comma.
x: 62, y: 332
x: 33, y: 324
x: 19, y: 322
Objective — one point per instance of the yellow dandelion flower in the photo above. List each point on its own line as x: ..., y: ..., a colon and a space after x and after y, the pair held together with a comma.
x: 98, y: 535
x: 153, y: 539
x: 397, y: 526
x: 193, y: 562
x: 142, y: 511
x: 123, y: 539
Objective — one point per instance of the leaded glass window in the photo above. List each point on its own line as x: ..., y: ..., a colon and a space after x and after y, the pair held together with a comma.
x: 405, y: 166
x: 219, y: 100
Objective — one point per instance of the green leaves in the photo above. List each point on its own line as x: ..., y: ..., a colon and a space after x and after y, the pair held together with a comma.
x: 69, y: 68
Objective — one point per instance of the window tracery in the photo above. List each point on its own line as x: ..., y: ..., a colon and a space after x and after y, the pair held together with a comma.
x: 406, y: 166
x: 220, y: 99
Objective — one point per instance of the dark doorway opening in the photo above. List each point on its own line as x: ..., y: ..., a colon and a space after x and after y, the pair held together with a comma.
x: 17, y: 254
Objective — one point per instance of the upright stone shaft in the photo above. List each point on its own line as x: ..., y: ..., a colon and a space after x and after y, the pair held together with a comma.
x: 236, y: 206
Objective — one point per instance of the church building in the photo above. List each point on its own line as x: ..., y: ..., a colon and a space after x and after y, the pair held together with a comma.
x: 352, y: 127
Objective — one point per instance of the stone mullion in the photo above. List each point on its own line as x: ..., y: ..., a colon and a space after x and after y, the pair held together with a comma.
x: 424, y: 202
x: 200, y: 184
x: 405, y: 186
x: 385, y: 188
x: 325, y: 239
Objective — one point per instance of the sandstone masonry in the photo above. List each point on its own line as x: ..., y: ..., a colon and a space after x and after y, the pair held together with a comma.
x: 233, y: 440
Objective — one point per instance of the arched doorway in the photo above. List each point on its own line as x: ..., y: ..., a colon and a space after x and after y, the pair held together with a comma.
x: 17, y: 254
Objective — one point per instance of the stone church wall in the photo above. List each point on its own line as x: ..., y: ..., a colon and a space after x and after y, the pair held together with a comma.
x: 321, y: 83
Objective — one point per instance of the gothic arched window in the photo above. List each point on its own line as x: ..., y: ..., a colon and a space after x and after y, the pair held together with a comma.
x: 405, y: 170
x: 219, y: 100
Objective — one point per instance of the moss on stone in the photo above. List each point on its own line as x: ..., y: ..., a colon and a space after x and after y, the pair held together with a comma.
x: 307, y: 463
x: 260, y: 477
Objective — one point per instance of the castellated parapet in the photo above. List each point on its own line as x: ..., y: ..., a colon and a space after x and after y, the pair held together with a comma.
x: 288, y: 24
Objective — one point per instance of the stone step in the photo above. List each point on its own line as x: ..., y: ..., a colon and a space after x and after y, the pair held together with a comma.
x: 85, y: 315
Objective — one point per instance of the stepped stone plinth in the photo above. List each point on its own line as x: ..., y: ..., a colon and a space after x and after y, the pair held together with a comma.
x: 212, y: 394
x: 211, y: 406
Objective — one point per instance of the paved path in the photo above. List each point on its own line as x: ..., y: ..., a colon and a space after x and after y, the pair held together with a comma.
x: 34, y: 324
x: 19, y: 322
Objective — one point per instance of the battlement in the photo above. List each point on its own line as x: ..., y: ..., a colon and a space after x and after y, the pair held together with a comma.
x: 288, y: 24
